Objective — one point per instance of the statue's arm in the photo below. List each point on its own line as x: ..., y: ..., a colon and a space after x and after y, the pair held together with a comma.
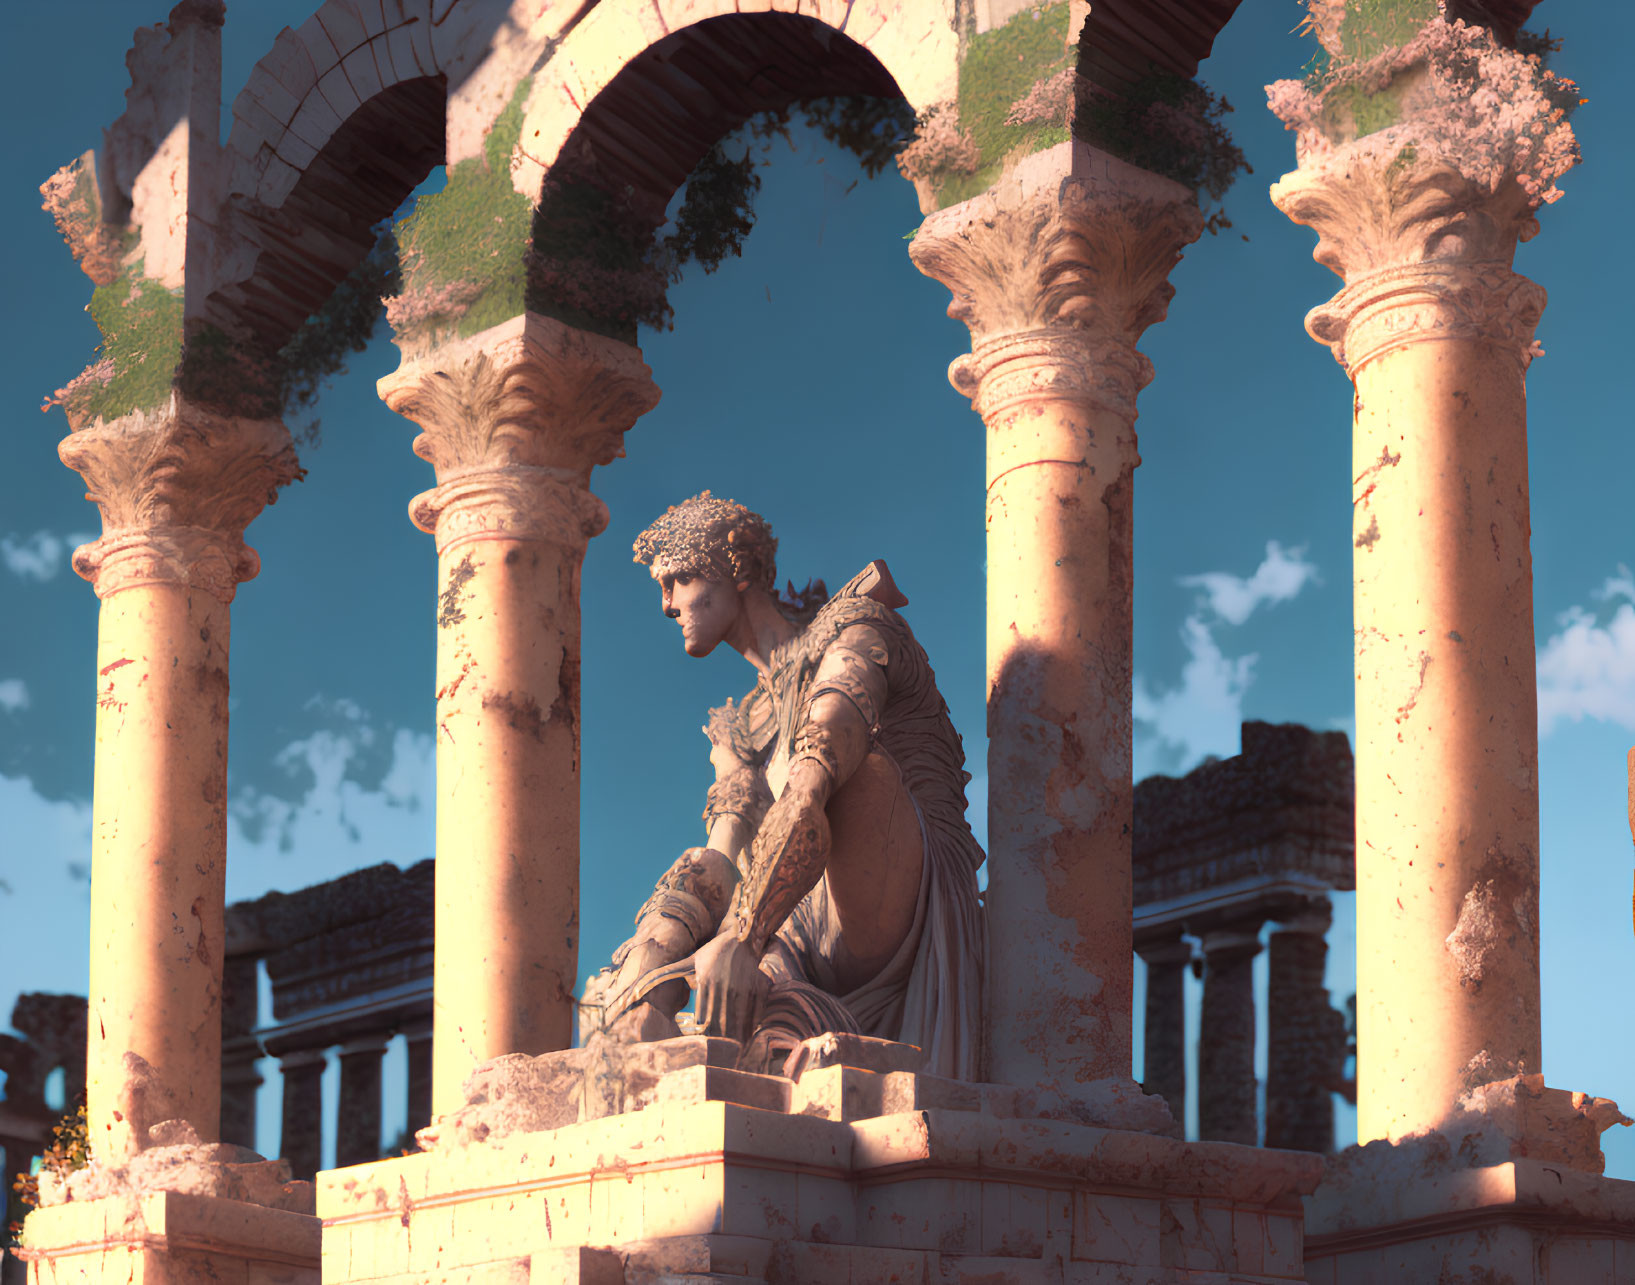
x: 791, y: 847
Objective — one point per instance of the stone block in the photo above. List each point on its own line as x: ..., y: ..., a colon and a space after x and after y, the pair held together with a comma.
x: 717, y: 1084
x: 1194, y: 1235
x: 362, y: 72
x: 757, y: 1201
x: 1591, y: 1260
x: 343, y: 25
x: 577, y: 1266
x: 681, y: 1201
x: 911, y: 1091
x: 826, y: 1209
x: 401, y: 52
x: 1014, y: 1218
x: 615, y: 1208
x: 1284, y: 1250
x: 838, y: 1093
x: 1249, y: 1240
x: 1115, y: 1229
x: 944, y: 1214
x: 978, y: 1269
x: 338, y: 92
x: 319, y: 47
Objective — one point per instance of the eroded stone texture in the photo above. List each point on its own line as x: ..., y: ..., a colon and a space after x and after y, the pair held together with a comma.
x: 1057, y: 272
x: 514, y: 421
x: 1421, y: 219
x: 176, y: 489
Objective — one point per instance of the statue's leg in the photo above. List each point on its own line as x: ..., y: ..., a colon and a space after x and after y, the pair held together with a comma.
x: 875, y: 859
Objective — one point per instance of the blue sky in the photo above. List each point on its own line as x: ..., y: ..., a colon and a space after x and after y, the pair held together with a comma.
x: 808, y: 380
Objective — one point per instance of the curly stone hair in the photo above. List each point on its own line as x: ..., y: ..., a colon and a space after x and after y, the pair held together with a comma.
x: 722, y: 540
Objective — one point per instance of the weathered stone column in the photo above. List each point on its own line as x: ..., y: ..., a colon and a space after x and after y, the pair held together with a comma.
x: 1436, y: 332
x: 357, y: 1131
x: 301, y: 1137
x: 513, y: 420
x: 419, y: 1042
x: 1226, y: 1037
x: 1057, y: 271
x: 1305, y: 1035
x: 176, y: 488
x: 1164, y: 1030
x: 239, y: 1050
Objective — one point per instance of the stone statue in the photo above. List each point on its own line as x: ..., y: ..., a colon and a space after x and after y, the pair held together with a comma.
x: 848, y: 904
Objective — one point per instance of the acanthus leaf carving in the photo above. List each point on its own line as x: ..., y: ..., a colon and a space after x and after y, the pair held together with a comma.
x: 176, y: 488
x: 1057, y: 272
x: 514, y: 420
x: 532, y: 391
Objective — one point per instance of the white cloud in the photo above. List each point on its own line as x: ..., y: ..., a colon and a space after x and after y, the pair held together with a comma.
x: 40, y: 556
x: 1280, y: 577
x: 1587, y: 668
x: 13, y: 695
x: 1202, y: 717
x: 336, y: 823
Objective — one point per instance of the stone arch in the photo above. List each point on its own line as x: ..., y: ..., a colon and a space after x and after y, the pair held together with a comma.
x: 632, y: 47
x: 335, y: 126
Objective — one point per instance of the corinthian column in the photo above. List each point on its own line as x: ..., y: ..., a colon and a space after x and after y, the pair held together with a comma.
x: 176, y: 488
x: 1057, y: 272
x: 1435, y: 331
x: 513, y: 421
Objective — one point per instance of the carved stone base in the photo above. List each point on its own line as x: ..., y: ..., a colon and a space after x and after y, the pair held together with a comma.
x: 843, y: 1174
x: 1524, y: 1220
x: 170, y: 1238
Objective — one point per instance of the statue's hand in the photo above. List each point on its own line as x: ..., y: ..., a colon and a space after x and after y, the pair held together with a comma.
x: 731, y: 988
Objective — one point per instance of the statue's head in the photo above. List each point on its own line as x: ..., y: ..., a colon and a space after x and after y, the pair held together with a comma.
x: 706, y: 554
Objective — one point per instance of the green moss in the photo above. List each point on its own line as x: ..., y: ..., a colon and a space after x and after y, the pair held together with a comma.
x: 474, y: 231
x: 1370, y: 27
x: 1350, y: 110
x: 998, y: 69
x: 141, y: 325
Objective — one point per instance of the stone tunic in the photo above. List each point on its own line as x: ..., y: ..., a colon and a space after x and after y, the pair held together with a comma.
x: 929, y: 993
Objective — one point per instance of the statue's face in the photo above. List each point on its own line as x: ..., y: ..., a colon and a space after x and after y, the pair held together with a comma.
x: 705, y: 609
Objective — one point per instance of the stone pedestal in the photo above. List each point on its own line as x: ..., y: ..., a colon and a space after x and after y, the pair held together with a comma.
x: 513, y: 420
x: 844, y: 1174
x: 168, y: 1238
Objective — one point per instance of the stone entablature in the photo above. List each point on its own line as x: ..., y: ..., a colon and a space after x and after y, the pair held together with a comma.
x: 1271, y: 823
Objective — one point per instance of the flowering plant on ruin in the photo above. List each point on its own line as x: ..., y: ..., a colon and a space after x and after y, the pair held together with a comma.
x: 1450, y: 92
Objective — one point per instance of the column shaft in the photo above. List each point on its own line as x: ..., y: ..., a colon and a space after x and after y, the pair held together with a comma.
x: 158, y: 854
x: 1059, y: 726
x: 301, y: 1136
x: 1164, y: 1030
x: 1226, y: 1040
x: 357, y: 1131
x: 1447, y: 732
x: 419, y: 1079
x: 507, y: 900
x: 1304, y: 1042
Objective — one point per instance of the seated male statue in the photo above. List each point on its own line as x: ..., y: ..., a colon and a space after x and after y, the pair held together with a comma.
x: 849, y: 903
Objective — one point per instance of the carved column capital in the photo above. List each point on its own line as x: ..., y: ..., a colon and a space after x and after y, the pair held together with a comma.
x: 1057, y: 271
x: 176, y: 488
x: 513, y: 420
x: 1422, y: 218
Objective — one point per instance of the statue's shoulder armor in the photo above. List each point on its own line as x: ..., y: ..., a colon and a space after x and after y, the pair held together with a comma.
x: 870, y: 597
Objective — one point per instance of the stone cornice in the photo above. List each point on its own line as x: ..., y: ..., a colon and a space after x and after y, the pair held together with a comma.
x: 1057, y: 271
x: 176, y: 488
x: 514, y: 420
